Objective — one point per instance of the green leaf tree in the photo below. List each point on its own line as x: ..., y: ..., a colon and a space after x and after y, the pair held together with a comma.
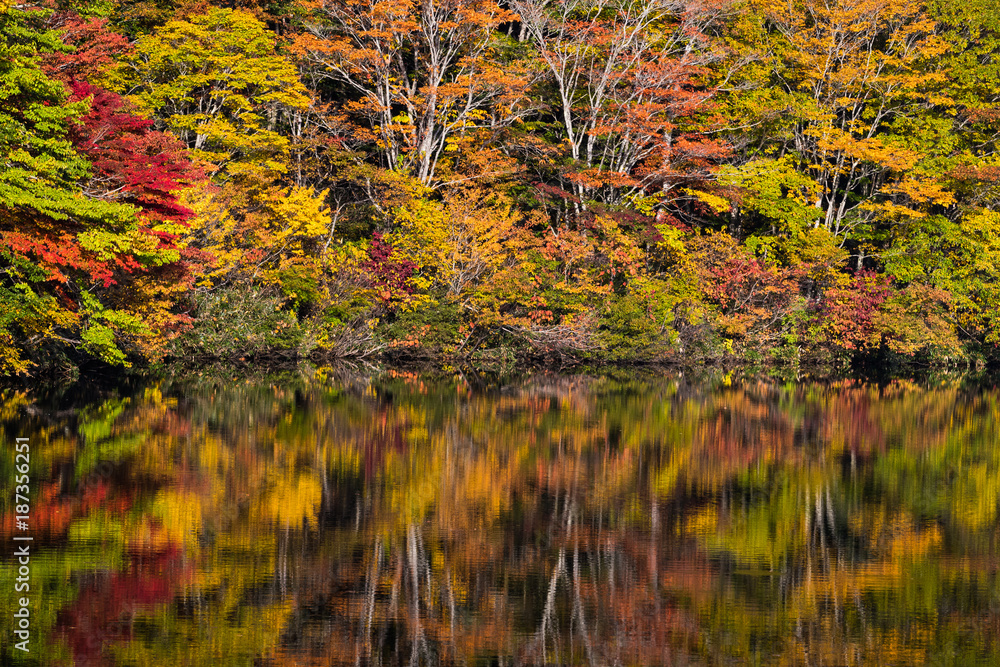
x: 57, y: 244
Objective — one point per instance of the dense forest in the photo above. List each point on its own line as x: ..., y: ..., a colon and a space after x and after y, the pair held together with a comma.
x: 619, y: 180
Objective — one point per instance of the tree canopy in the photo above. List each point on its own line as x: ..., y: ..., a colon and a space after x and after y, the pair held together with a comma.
x: 605, y: 179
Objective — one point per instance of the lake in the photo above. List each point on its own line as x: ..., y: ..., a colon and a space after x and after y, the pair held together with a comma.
x: 338, y: 518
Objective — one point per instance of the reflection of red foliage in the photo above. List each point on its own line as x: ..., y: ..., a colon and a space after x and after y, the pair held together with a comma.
x: 852, y: 415
x: 379, y: 441
x: 51, y: 513
x: 49, y: 517
x: 106, y: 601
x: 96, y: 497
x: 106, y: 604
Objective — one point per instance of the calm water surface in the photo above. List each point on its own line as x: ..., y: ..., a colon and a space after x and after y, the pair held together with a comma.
x: 396, y: 520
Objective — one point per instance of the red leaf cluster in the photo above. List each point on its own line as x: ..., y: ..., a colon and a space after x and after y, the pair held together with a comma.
x: 131, y: 162
x: 389, y: 276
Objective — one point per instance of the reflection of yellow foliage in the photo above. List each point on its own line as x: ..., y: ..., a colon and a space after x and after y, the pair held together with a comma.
x: 11, y: 404
x: 703, y: 522
x: 180, y: 515
x: 666, y: 478
x: 911, y: 545
x: 897, y: 536
x: 240, y: 640
x: 154, y: 395
x: 975, y: 496
x: 293, y: 502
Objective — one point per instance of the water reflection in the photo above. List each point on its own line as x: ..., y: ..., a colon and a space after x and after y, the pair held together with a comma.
x: 563, y: 520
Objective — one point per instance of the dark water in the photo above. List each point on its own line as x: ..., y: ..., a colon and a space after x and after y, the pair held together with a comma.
x: 336, y: 520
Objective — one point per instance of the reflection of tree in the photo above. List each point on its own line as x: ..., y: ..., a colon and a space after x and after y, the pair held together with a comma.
x: 560, y: 521
x: 437, y: 590
x: 840, y: 521
x: 110, y: 602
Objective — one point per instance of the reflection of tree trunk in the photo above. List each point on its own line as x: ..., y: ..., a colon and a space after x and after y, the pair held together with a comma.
x: 830, y: 518
x: 283, y: 563
x: 418, y: 629
x: 578, y: 606
x: 550, y: 600
x: 861, y: 615
x: 555, y: 517
x: 393, y: 600
x: 819, y: 520
x: 371, y: 586
x: 654, y: 568
x: 808, y: 523
x: 823, y: 540
x: 807, y: 516
x: 831, y: 521
x: 451, y: 609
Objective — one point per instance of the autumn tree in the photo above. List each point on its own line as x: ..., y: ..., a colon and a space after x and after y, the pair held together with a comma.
x: 626, y: 80
x: 844, y: 127
x: 83, y: 263
x: 416, y: 75
x: 840, y: 86
x: 217, y: 82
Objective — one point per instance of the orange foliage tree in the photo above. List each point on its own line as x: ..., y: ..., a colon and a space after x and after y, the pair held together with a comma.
x: 417, y: 75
